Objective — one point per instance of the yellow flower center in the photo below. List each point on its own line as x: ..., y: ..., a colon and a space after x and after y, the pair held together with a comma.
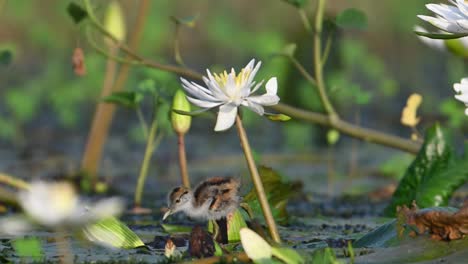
x: 239, y: 79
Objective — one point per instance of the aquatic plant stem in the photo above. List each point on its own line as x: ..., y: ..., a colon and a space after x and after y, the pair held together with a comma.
x: 151, y: 142
x: 101, y: 124
x: 93, y: 150
x: 63, y: 247
x: 183, y: 160
x: 257, y: 181
x: 318, y: 64
x: 13, y: 181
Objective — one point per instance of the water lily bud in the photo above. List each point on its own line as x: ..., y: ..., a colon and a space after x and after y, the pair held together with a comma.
x: 180, y: 123
x: 114, y: 21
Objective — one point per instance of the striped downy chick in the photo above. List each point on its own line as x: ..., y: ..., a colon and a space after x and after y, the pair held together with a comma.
x: 212, y: 199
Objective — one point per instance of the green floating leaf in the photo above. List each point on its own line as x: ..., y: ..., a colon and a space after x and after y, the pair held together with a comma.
x: 352, y: 18
x: 279, y: 117
x: 6, y: 56
x: 296, y: 3
x: 112, y: 233
x: 176, y: 228
x: 128, y: 99
x: 76, y: 12
x: 278, y: 193
x: 439, y: 35
x: 287, y: 255
x: 433, y: 176
x: 324, y: 256
x: 28, y: 248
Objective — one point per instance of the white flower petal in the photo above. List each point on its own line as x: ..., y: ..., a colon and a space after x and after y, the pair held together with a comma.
x: 197, y: 90
x: 460, y: 88
x: 438, y: 44
x: 257, y: 108
x: 203, y: 104
x: 226, y: 117
x: 265, y: 99
x: 462, y: 97
x: 466, y: 111
x: 106, y: 208
x: 272, y: 86
x: 15, y: 226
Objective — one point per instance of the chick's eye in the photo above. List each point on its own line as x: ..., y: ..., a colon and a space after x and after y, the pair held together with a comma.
x: 177, y: 201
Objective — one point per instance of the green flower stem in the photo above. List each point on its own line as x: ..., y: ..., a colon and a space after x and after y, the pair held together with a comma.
x: 150, y: 147
x: 183, y: 160
x: 270, y: 221
x: 318, y: 66
x: 304, y: 19
x: 12, y: 181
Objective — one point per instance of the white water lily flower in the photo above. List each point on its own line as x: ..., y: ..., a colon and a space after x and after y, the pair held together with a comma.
x: 229, y: 91
x: 56, y: 204
x: 462, y: 90
x: 450, y: 18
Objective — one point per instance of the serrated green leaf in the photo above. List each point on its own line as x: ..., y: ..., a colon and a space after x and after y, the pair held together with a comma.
x: 112, y: 233
x: 176, y: 228
x: 296, y: 3
x: 287, y: 255
x: 76, y: 12
x: 279, y: 117
x: 352, y: 18
x: 128, y: 99
x: 439, y: 35
x: 433, y: 176
x: 6, y: 56
x: 28, y: 248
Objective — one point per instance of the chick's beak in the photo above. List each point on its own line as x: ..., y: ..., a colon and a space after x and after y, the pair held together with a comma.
x: 168, y: 213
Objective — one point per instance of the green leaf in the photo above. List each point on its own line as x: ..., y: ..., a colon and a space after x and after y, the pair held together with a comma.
x: 439, y: 35
x: 6, y: 56
x: 352, y: 18
x: 111, y: 232
x: 433, y: 176
x: 289, y: 49
x: 28, y: 248
x: 76, y: 12
x: 128, y: 99
x: 296, y: 3
x: 287, y: 255
x: 176, y: 228
x: 324, y: 256
x: 279, y: 117
x: 234, y: 226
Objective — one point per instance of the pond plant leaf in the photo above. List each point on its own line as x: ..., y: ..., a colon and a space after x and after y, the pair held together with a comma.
x: 128, y: 99
x: 352, y: 18
x: 171, y: 229
x: 287, y: 255
x: 324, y: 256
x: 112, y: 233
x: 433, y: 176
x: 278, y: 193
x: 235, y: 223
x: 76, y: 12
x: 28, y: 248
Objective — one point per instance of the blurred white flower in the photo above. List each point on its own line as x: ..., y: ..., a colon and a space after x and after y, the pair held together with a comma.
x: 229, y: 91
x: 462, y: 92
x: 450, y: 18
x: 56, y: 204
